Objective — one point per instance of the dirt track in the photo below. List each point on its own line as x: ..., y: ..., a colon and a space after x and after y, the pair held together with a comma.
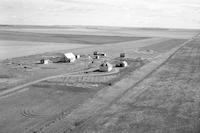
x: 68, y: 75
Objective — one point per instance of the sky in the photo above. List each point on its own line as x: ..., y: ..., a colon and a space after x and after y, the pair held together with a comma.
x: 128, y: 13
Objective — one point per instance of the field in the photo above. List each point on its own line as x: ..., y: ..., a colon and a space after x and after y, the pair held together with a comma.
x: 165, y: 102
x: 13, y: 49
x: 63, y: 38
x: 157, y: 92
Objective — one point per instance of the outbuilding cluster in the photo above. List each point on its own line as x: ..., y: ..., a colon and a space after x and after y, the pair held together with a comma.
x: 107, y: 67
x: 70, y: 58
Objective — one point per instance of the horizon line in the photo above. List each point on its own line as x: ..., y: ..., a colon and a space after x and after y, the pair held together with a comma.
x: 134, y: 27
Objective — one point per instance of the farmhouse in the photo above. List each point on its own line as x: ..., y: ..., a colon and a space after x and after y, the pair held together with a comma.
x: 105, y: 67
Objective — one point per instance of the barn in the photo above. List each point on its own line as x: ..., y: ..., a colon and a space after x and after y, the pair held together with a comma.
x: 70, y: 57
x: 66, y: 57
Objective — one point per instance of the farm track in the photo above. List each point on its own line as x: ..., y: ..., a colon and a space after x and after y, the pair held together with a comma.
x: 87, y: 78
x: 29, y: 113
x: 182, y: 66
x: 48, y: 122
x: 190, y: 62
x: 73, y: 74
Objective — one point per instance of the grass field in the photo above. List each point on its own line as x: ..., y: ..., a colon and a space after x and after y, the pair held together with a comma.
x: 169, y: 102
x: 13, y: 49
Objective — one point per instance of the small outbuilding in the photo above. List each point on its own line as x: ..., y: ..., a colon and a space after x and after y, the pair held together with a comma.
x: 105, y: 67
x: 99, y: 53
x: 45, y: 61
x: 122, y: 64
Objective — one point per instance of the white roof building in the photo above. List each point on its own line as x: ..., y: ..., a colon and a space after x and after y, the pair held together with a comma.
x: 70, y: 57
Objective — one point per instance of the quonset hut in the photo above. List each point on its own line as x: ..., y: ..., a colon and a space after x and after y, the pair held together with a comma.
x: 67, y: 57
x: 70, y: 57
